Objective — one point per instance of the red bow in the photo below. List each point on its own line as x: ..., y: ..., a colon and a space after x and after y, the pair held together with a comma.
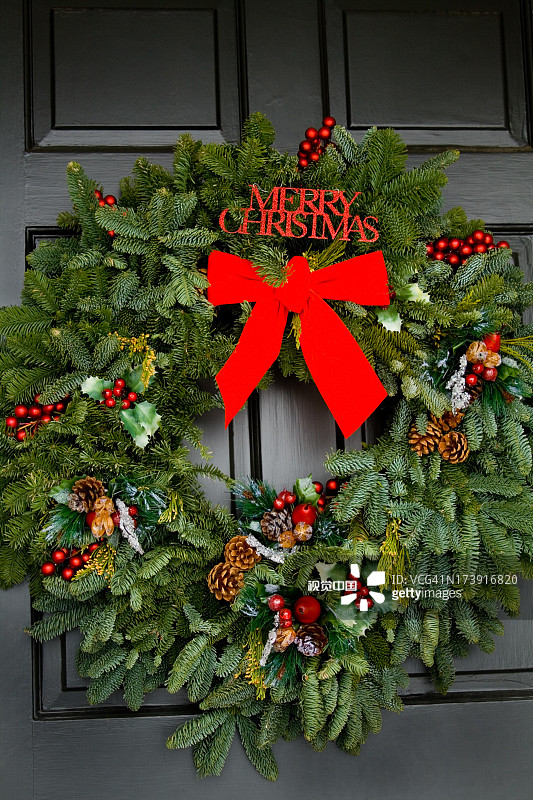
x: 340, y: 369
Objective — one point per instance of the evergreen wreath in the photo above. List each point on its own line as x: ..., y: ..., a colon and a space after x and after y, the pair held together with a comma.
x: 101, y: 506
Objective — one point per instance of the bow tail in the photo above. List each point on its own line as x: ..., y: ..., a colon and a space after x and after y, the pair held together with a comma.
x: 256, y: 351
x: 340, y: 369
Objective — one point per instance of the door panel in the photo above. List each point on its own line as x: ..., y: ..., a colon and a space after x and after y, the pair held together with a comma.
x: 136, y: 75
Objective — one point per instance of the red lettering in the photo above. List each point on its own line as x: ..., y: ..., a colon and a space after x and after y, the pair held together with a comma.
x: 347, y: 205
x: 277, y: 225
x: 274, y: 194
x: 371, y: 228
x: 221, y: 222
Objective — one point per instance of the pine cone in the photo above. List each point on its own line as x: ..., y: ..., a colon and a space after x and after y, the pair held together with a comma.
x: 476, y: 352
x: 85, y: 493
x: 448, y: 421
x: 274, y: 522
x: 284, y: 638
x: 475, y: 391
x: 302, y: 531
x: 240, y: 554
x: 454, y: 447
x: 225, y: 581
x: 424, y: 443
x: 311, y: 639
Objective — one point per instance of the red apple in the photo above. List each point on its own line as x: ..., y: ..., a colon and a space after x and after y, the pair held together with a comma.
x: 492, y: 342
x: 305, y: 512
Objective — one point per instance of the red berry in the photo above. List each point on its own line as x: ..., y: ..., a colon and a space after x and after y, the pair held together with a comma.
x: 67, y: 574
x: 480, y: 248
x: 439, y: 256
x: 107, y: 393
x: 46, y: 419
x: 321, y: 502
x: 20, y: 435
x: 453, y: 259
x: 86, y: 557
x: 487, y: 239
x: 318, y: 487
x: 290, y: 498
x: 285, y: 623
x: 303, y: 163
x: 430, y: 248
x: 311, y: 134
x: 59, y: 406
x: 94, y: 546
x: 503, y: 243
x: 48, y: 568
x: 110, y: 402
x: 305, y: 512
x: 120, y: 383
x: 324, y: 133
x: 306, y: 146
x: 57, y: 419
x: 364, y: 591
x: 135, y: 523
x: 278, y: 504
x: 332, y: 486
x: 490, y: 374
x: 133, y: 511
x: 76, y: 562
x: 329, y: 122
x: 11, y: 422
x: 101, y: 202
x: 132, y: 397
x: 466, y: 250
x: 58, y: 556
x: 491, y: 247
x: 307, y: 609
x: 110, y: 200
x: 89, y: 518
x: 478, y: 235
x: 471, y: 380
x: 117, y: 392
x: 98, y: 193
x: 115, y: 516
x: 276, y: 602
x: 21, y: 412
x: 47, y: 409
x: 34, y: 412
x: 454, y: 244
x: 126, y: 404
x: 441, y: 244
x: 285, y: 613
x: 492, y: 342
x: 477, y: 369
x: 111, y: 233
x: 314, y: 157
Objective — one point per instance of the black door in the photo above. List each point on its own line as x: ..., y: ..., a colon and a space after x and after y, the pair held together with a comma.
x: 102, y: 83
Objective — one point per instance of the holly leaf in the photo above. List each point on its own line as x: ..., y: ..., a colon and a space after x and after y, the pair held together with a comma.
x: 389, y: 318
x: 133, y: 380
x: 412, y: 292
x: 61, y: 492
x: 95, y: 386
x: 141, y: 422
x: 305, y: 491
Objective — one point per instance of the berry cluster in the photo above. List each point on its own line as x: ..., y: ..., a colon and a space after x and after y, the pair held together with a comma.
x: 362, y: 594
x: 307, y: 609
x: 305, y: 512
x: 67, y: 562
x: 115, y: 516
x: 314, y: 144
x: 456, y: 251
x: 483, y: 358
x: 108, y: 200
x: 27, y: 419
x: 120, y: 393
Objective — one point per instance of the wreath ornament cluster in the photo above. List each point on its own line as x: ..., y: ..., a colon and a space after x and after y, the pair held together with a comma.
x: 296, y: 615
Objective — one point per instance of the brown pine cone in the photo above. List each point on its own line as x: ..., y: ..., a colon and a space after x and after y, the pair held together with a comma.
x: 240, y: 554
x: 448, y: 421
x: 225, y: 581
x: 454, y: 447
x: 302, y: 531
x: 476, y: 352
x: 475, y: 391
x: 311, y: 639
x: 274, y: 522
x: 284, y: 638
x: 84, y: 494
x: 424, y: 443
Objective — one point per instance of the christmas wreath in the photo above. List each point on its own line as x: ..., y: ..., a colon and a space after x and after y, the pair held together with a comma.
x: 297, y: 614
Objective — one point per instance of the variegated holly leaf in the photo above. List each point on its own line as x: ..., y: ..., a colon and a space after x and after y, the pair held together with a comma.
x: 141, y: 422
x: 412, y: 292
x: 95, y: 386
x: 389, y: 318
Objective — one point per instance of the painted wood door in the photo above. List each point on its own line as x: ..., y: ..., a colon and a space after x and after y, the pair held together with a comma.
x: 104, y: 82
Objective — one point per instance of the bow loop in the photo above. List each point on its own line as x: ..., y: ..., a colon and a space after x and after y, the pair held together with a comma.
x: 340, y: 369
